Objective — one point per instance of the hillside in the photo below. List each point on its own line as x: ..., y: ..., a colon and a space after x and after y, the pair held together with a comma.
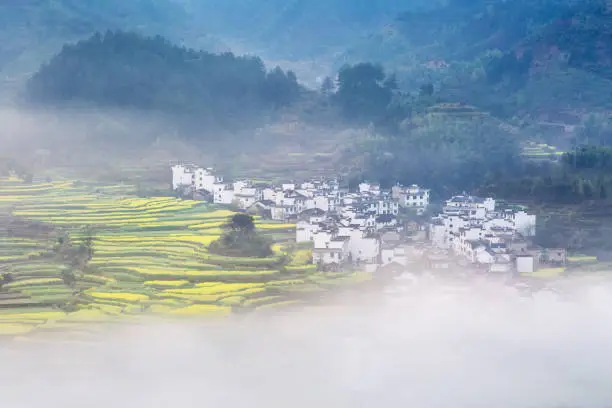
x: 31, y: 31
x: 285, y: 28
x: 126, y: 70
x: 502, y: 56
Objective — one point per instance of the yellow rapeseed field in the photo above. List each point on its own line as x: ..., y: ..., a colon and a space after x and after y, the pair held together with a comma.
x: 129, y: 297
x: 198, y: 310
x: 150, y: 254
x: 168, y: 283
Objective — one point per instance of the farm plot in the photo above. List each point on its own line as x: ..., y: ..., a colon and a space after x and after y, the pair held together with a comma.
x: 540, y: 151
x: 148, y: 256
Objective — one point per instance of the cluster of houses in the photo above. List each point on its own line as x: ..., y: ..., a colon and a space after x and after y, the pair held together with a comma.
x: 376, y: 228
x: 360, y: 227
x: 498, y: 240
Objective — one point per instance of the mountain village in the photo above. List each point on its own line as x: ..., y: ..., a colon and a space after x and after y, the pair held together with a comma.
x: 380, y: 230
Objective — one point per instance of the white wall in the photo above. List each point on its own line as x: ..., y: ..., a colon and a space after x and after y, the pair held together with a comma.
x: 328, y: 257
x: 277, y: 213
x: 226, y: 197
x: 484, y: 257
x: 245, y: 200
x: 525, y: 223
x: 321, y: 238
x: 181, y: 176
x: 437, y: 235
x: 304, y: 231
x: 268, y: 194
x: 387, y: 256
x: 387, y: 207
x: 414, y: 197
x: 321, y: 203
x: 218, y: 193
x: 524, y: 264
x: 498, y: 222
x: 288, y: 186
x: 364, y: 249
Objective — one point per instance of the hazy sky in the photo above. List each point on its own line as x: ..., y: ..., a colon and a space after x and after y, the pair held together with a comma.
x: 484, y: 348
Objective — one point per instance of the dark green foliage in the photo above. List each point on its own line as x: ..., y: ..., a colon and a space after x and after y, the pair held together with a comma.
x: 426, y: 89
x: 68, y: 277
x: 5, y: 278
x: 367, y: 95
x: 242, y: 223
x: 120, y: 69
x: 509, y: 58
x: 589, y: 158
x: 450, y: 154
x: 363, y: 93
x: 583, y: 174
x: 241, y: 239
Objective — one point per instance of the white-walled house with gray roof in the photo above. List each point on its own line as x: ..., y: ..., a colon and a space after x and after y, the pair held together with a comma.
x: 472, y: 228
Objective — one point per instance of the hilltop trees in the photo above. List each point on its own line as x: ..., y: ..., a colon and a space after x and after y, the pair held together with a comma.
x: 452, y: 154
x: 126, y: 70
x: 364, y: 92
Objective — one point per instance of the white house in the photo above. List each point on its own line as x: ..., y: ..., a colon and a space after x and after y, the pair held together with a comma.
x: 524, y: 223
x: 411, y: 197
x: 182, y: 175
x: 525, y: 263
x: 244, y: 200
x: 288, y: 186
x: 204, y: 179
x: 329, y: 249
x: 321, y: 202
x: 268, y: 194
x: 197, y: 177
x: 223, y: 194
x: 369, y: 188
x: 471, y: 202
x: 437, y: 233
x: 305, y: 231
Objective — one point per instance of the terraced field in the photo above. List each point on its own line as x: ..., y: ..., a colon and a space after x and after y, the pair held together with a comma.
x: 148, y: 256
x: 540, y: 151
x: 576, y: 264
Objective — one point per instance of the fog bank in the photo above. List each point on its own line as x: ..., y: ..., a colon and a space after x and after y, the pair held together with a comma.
x: 482, y: 348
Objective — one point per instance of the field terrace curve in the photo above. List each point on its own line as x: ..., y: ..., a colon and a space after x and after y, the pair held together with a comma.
x: 149, y: 258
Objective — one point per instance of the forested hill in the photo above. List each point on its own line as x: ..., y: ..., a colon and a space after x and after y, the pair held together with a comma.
x: 121, y: 69
x: 513, y: 58
x: 32, y: 31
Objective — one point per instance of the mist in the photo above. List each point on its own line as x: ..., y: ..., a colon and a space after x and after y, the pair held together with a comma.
x: 479, y: 347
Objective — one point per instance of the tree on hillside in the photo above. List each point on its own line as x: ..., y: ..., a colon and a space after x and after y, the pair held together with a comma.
x: 364, y: 92
x: 282, y: 88
x: 426, y: 89
x: 242, y: 223
x: 241, y: 239
x: 327, y: 87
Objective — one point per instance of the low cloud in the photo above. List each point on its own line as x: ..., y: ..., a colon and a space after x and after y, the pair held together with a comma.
x: 480, y: 347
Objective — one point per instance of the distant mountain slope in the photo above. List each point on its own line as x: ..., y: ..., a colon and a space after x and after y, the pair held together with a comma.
x: 509, y: 57
x: 298, y: 28
x: 31, y: 31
